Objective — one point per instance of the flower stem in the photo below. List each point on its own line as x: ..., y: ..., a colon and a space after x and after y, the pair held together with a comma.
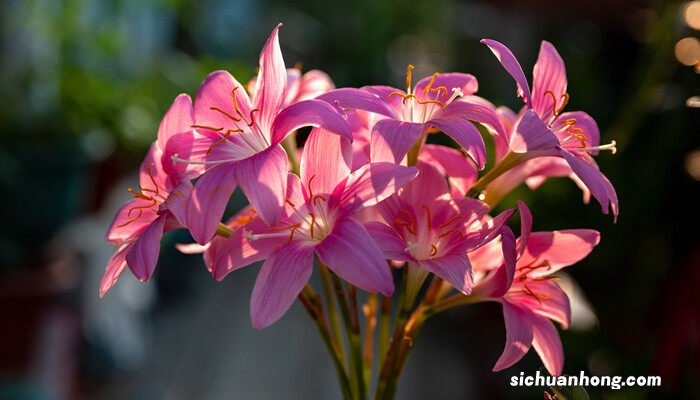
x: 370, y: 312
x: 509, y: 161
x: 332, y: 310
x: 290, y: 146
x: 384, y: 327
x: 312, y: 303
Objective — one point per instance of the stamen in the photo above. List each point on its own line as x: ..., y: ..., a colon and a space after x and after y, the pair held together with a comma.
x: 211, y: 128
x: 235, y: 103
x: 439, y: 89
x: 299, y: 66
x: 537, y: 297
x: 290, y: 202
x: 405, y: 225
x: 221, y: 140
x: 433, y: 250
x: 252, y: 117
x: 449, y: 221
x: 565, y: 101
x: 427, y: 213
x: 409, y: 70
x: 450, y: 231
x: 426, y: 89
x: 456, y: 92
x: 225, y: 113
x: 410, y: 217
x: 610, y: 146
x: 554, y: 100
x: 138, y: 194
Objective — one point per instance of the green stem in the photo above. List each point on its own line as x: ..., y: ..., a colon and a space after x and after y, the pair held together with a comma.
x: 384, y: 328
x: 290, y: 146
x: 312, y: 303
x: 332, y: 310
x: 509, y: 161
x: 370, y: 311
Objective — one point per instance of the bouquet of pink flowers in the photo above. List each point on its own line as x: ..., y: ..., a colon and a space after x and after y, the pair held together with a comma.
x: 383, y: 211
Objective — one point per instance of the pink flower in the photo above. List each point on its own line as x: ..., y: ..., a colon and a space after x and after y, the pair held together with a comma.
x: 528, y: 291
x: 425, y: 225
x: 159, y: 204
x: 317, y: 218
x: 238, y: 141
x: 300, y: 87
x: 543, y: 130
x: 431, y: 106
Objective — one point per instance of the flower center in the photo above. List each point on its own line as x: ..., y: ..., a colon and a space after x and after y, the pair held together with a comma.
x: 154, y: 198
x: 426, y: 243
x: 420, y: 111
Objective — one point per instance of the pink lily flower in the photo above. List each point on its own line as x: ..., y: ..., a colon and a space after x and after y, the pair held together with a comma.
x: 237, y: 140
x: 318, y: 218
x: 431, y: 106
x: 300, y: 87
x: 528, y: 291
x: 544, y: 130
x: 158, y: 206
x: 424, y: 225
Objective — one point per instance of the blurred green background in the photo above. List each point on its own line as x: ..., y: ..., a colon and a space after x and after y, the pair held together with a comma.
x: 84, y: 84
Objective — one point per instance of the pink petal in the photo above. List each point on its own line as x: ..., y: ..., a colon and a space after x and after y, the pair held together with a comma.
x: 208, y: 201
x: 178, y: 200
x: 510, y: 63
x: 192, y: 248
x: 115, y: 267
x: 556, y: 306
x: 479, y: 110
x: 498, y: 282
x: 280, y: 280
x: 585, y: 125
x: 370, y: 185
x: 519, y: 335
x: 263, y: 178
x: 461, y: 172
x: 216, y: 93
x: 532, y: 134
x: 392, y: 139
x: 314, y: 83
x: 358, y: 99
x: 549, y: 74
x: 143, y: 256
x: 454, y: 268
x: 391, y: 244
x: 239, y: 250
x: 352, y: 254
x: 547, y: 344
x: 489, y: 230
x: 525, y: 226
x: 126, y: 225
x: 178, y: 119
x: 314, y: 113
x: 595, y: 181
x: 465, y: 134
x: 559, y: 248
x: 465, y: 82
x: 325, y: 162
x: 271, y: 82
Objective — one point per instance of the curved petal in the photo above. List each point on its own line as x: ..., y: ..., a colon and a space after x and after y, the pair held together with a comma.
x: 595, y: 181
x: 263, y: 179
x: 519, y: 335
x: 177, y: 201
x: 460, y: 171
x: 315, y: 113
x: 583, y: 124
x: 280, y: 280
x: 312, y: 84
x: 369, y: 185
x: 271, y: 83
x: 214, y: 105
x: 525, y: 226
x: 559, y: 248
x: 426, y: 188
x: 532, y: 134
x: 358, y: 99
x: 208, y: 201
x: 499, y: 281
x: 391, y: 244
x: 326, y: 161
x: 143, y: 256
x: 442, y: 85
x: 453, y: 268
x: 352, y: 254
x: 548, y: 76
x: 554, y: 304
x: 479, y: 110
x: 178, y: 119
x: 115, y: 267
x: 488, y: 230
x: 510, y: 63
x: 392, y: 139
x: 241, y: 250
x: 547, y: 344
x: 131, y: 219
x: 465, y: 134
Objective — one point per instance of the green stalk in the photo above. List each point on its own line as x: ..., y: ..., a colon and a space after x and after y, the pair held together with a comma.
x: 290, y: 146
x: 370, y: 311
x: 509, y: 161
x: 384, y: 328
x: 332, y: 310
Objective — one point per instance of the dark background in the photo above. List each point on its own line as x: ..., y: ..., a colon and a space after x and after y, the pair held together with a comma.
x: 84, y: 84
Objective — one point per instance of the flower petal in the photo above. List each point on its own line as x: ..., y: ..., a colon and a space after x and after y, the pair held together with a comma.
x: 442, y: 85
x: 131, y: 219
x: 143, y: 256
x: 532, y: 134
x: 480, y: 110
x: 370, y: 185
x: 518, y: 335
x: 314, y: 113
x: 525, y: 226
x: 358, y: 99
x: 391, y: 244
x: 177, y: 201
x: 271, y: 83
x: 392, y: 139
x: 326, y: 161
x: 559, y: 248
x: 352, y: 254
x: 499, y: 281
x: 312, y: 84
x: 510, y: 63
x: 465, y: 134
x: 216, y: 95
x: 583, y: 124
x: 115, y: 267
x: 595, y: 181
x: 454, y: 268
x: 208, y: 200
x: 548, y: 75
x: 460, y: 171
x: 280, y: 280
x: 239, y: 250
x: 547, y: 344
x: 263, y: 178
x: 178, y: 119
